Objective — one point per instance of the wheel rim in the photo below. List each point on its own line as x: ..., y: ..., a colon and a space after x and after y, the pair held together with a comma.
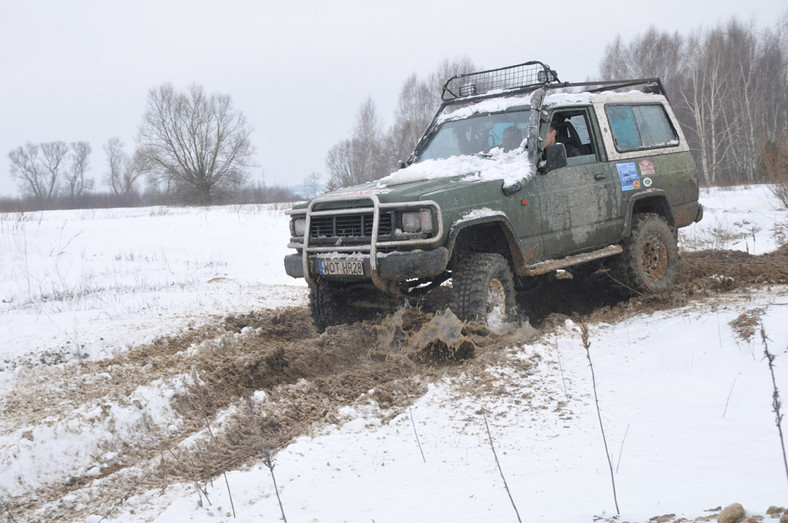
x: 654, y: 257
x: 495, y: 309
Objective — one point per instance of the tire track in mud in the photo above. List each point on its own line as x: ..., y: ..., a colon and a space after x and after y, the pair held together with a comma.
x: 241, y: 386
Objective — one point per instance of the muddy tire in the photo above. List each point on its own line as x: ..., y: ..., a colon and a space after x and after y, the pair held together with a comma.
x: 650, y: 259
x: 483, y: 289
x: 336, y: 306
x: 329, y: 307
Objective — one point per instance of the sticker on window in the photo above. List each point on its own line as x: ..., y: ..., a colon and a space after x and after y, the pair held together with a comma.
x: 628, y: 174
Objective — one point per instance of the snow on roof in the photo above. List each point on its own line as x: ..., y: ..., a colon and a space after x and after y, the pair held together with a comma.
x: 505, y: 103
x: 490, y: 105
x: 567, y: 99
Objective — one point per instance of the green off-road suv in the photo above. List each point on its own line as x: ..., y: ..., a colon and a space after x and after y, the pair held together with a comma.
x: 518, y: 175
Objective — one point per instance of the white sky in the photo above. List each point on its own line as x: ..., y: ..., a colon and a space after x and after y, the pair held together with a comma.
x: 298, y: 70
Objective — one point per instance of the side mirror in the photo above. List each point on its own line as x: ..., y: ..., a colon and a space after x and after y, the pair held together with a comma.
x: 555, y: 157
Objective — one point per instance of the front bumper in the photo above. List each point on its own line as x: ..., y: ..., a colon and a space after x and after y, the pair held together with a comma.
x: 381, y: 267
x: 393, y: 267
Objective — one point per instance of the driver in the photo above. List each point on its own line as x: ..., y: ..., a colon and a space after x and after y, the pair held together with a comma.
x: 550, y: 139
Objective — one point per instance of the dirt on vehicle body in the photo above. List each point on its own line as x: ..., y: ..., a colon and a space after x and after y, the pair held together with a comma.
x: 518, y: 175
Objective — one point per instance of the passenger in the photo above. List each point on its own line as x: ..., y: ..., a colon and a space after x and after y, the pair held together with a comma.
x: 512, y: 138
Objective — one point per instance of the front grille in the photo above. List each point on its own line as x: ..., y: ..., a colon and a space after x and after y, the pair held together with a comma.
x: 351, y: 228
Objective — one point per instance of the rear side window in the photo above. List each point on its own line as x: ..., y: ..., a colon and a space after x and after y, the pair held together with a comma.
x: 640, y: 127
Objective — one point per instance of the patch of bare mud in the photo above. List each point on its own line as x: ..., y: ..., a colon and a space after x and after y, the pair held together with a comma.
x: 242, y: 387
x: 598, y: 297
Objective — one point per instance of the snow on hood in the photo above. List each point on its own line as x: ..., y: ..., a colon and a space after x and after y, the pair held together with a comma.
x: 510, y: 167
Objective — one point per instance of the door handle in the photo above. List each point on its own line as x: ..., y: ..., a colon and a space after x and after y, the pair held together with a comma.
x: 600, y: 176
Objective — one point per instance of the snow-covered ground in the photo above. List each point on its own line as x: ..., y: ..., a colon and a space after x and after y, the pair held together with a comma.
x: 685, y: 401
x: 99, y: 280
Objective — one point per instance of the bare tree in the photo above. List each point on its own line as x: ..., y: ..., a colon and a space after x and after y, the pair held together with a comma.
x: 197, y: 142
x: 339, y: 162
x: 417, y: 104
x: 312, y: 184
x: 362, y: 157
x: 655, y: 54
x: 76, y: 182
x: 124, y: 171
x: 703, y: 92
x: 53, y: 158
x: 37, y: 168
x: 26, y: 168
x: 446, y: 69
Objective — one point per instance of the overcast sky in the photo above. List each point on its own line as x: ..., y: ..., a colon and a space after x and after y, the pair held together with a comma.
x: 298, y: 69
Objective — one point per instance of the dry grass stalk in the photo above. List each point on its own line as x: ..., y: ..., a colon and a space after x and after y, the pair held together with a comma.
x: 498, y: 463
x: 412, y: 422
x: 7, y: 510
x: 775, y: 397
x: 587, y: 346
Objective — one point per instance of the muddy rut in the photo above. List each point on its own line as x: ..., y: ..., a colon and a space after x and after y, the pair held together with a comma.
x: 242, y: 387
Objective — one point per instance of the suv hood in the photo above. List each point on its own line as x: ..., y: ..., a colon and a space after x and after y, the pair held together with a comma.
x: 429, y: 176
x: 509, y: 167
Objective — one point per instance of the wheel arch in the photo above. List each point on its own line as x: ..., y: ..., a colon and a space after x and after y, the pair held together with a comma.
x: 494, y: 234
x: 652, y: 201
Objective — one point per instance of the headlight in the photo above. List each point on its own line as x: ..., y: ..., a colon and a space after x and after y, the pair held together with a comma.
x: 297, y: 226
x: 417, y: 221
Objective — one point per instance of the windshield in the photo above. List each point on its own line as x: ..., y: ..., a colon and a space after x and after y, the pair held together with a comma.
x: 476, y: 135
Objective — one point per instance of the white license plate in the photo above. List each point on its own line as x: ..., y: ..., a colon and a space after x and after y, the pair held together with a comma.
x: 341, y: 267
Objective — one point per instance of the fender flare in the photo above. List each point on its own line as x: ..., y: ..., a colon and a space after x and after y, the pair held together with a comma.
x: 515, y: 253
x: 656, y: 200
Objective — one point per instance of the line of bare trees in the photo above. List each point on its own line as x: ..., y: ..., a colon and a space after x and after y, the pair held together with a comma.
x: 728, y: 87
x: 192, y: 148
x: 51, y: 168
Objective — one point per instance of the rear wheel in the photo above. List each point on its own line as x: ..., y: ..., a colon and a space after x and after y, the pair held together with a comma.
x: 483, y: 289
x: 650, y: 259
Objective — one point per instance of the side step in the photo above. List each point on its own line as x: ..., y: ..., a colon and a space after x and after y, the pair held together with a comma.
x: 577, y: 259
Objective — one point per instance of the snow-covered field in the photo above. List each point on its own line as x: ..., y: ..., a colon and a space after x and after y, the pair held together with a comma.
x: 685, y: 399
x: 99, y: 280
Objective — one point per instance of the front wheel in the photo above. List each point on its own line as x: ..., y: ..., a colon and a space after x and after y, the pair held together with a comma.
x: 336, y: 305
x: 483, y: 290
x: 650, y: 259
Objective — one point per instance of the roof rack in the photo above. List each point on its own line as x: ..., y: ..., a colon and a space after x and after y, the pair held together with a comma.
x: 523, y: 77
x: 527, y: 77
x: 649, y: 85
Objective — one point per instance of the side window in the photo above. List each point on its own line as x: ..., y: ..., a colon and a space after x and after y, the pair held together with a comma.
x: 655, y: 128
x: 573, y: 130
x: 640, y: 127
